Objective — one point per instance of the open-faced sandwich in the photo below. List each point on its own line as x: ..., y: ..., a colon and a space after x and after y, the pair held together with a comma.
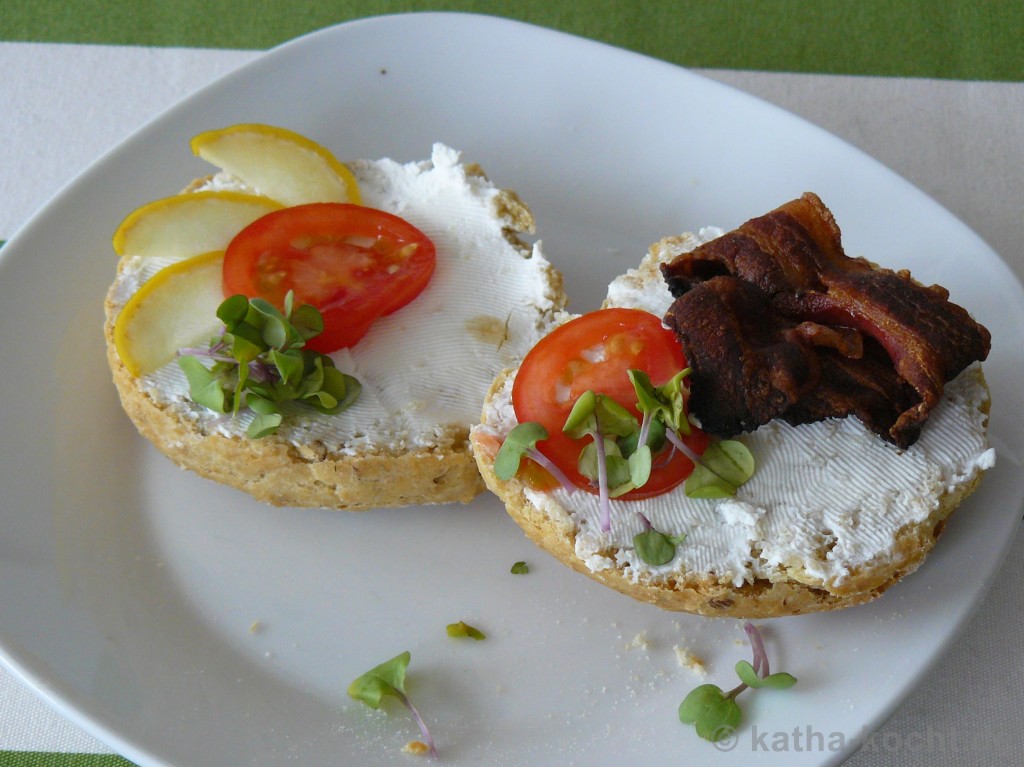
x: 755, y: 425
x: 323, y: 334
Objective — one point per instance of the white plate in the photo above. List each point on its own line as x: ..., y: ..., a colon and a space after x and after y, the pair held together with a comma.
x: 129, y: 589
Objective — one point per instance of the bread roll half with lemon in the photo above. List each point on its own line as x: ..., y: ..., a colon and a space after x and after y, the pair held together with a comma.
x: 796, y: 519
x: 425, y: 289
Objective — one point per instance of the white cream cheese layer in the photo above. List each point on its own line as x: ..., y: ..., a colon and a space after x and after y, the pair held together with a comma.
x: 825, y: 498
x: 425, y: 368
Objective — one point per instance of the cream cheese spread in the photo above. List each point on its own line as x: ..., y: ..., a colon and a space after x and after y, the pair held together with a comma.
x: 426, y: 367
x: 826, y: 498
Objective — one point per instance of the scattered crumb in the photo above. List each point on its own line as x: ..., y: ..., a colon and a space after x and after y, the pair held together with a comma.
x: 255, y: 627
x: 639, y: 641
x: 416, y: 747
x: 690, y: 661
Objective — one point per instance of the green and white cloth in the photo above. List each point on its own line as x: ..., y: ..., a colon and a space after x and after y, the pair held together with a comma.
x: 935, y: 90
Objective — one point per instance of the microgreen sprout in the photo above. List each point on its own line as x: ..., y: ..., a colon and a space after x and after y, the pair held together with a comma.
x: 259, y: 362
x: 521, y: 442
x: 718, y: 473
x: 725, y: 464
x: 667, y: 403
x: 604, y: 420
x: 520, y: 568
x: 715, y: 713
x: 653, y: 546
x: 389, y: 679
x: 463, y: 630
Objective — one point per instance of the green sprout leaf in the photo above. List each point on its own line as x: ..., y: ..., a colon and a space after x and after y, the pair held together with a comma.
x: 386, y: 679
x: 343, y: 387
x: 204, y: 385
x: 389, y: 679
x: 614, y: 418
x: 241, y: 346
x: 655, y: 547
x: 263, y: 425
x: 617, y: 467
x: 290, y: 367
x: 725, y: 466
x: 667, y: 402
x: 233, y: 311
x: 463, y: 630
x: 267, y: 309
x: 747, y: 674
x: 591, y: 409
x: 778, y: 681
x: 603, y: 420
x: 640, y: 462
x: 521, y: 440
x: 581, y: 421
x: 715, y: 714
x: 307, y: 321
x: 699, y: 700
x: 520, y: 568
x: 655, y: 438
x: 267, y: 420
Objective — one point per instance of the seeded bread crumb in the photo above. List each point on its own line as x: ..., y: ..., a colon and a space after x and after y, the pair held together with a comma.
x: 416, y: 748
x: 689, y: 661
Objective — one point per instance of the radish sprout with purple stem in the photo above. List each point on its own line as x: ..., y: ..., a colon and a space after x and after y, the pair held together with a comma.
x: 714, y: 712
x: 522, y: 442
x: 725, y: 464
x: 653, y: 546
x: 389, y: 679
x: 603, y: 459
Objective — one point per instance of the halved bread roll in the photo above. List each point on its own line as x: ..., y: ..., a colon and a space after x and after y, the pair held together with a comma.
x: 832, y: 516
x: 424, y: 369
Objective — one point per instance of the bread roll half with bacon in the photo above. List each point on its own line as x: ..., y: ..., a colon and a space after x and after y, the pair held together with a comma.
x: 836, y: 413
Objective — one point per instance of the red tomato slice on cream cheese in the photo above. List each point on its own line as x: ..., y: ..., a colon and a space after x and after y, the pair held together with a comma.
x: 594, y: 352
x: 355, y: 264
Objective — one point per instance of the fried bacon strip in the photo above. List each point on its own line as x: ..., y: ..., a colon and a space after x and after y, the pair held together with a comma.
x: 777, y: 321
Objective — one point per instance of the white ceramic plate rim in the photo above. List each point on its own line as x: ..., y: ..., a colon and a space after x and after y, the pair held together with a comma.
x: 576, y: 152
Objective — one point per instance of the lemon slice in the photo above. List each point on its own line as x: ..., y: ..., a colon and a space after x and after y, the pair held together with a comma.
x: 278, y: 163
x: 188, y: 225
x: 175, y: 308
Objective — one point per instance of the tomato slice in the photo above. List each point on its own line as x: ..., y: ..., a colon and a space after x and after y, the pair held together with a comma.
x: 354, y: 264
x: 594, y: 352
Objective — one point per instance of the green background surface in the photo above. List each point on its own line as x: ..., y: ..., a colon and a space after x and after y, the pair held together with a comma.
x: 44, y: 759
x: 982, y: 40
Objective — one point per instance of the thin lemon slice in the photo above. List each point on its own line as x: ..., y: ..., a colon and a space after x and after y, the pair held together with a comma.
x: 188, y: 225
x: 174, y: 309
x: 278, y: 163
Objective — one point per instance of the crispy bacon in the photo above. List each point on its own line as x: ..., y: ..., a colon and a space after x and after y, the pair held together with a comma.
x: 859, y: 339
